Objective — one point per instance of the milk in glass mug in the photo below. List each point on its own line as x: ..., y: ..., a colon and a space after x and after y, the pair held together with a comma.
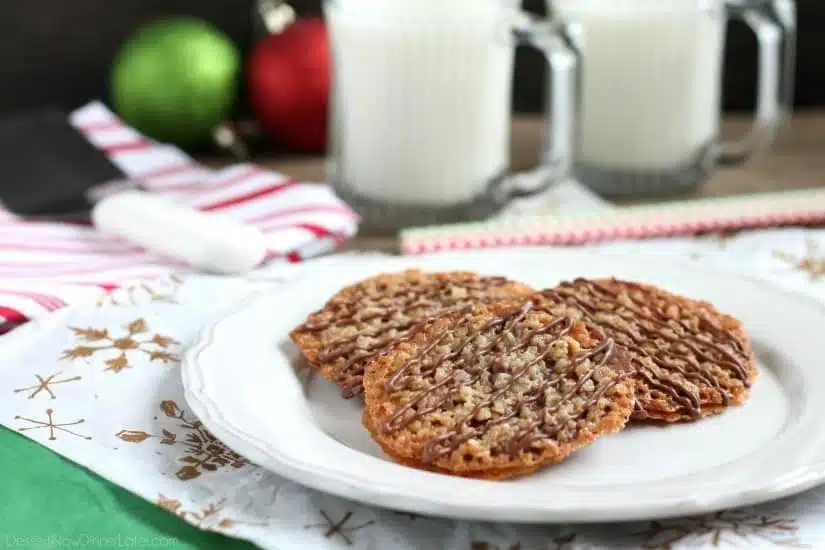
x: 651, y: 88
x: 421, y: 107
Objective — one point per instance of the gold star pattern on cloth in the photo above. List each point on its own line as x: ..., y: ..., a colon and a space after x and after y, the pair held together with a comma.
x: 51, y: 426
x: 46, y: 385
x: 134, y: 338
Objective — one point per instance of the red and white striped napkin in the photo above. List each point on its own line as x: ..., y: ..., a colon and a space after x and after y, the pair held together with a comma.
x: 47, y: 265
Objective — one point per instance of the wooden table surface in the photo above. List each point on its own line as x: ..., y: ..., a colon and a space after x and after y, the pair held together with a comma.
x: 796, y: 161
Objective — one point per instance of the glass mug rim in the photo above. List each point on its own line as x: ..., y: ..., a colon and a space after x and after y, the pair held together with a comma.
x: 367, y: 16
x: 651, y: 5
x: 655, y: 6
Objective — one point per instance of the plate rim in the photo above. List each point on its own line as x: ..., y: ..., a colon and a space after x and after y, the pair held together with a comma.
x: 793, y: 482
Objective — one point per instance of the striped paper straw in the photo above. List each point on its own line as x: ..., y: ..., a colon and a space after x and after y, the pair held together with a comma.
x: 634, y: 222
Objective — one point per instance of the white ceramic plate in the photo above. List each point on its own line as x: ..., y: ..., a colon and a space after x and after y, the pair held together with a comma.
x: 240, y: 380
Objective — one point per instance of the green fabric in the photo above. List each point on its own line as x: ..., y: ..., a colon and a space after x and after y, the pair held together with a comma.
x: 47, y: 501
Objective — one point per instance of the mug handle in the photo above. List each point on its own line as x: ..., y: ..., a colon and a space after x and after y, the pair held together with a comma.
x: 774, y: 24
x: 558, y: 42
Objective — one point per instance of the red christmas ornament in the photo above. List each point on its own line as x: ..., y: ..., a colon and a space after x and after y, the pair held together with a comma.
x: 288, y: 79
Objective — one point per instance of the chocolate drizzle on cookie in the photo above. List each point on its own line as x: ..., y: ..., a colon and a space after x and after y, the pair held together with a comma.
x: 654, y: 337
x: 416, y: 300
x: 405, y: 301
x: 484, y: 351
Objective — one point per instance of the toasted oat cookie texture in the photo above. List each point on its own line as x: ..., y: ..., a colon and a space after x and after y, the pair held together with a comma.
x: 691, y: 360
x: 361, y: 320
x: 496, y: 391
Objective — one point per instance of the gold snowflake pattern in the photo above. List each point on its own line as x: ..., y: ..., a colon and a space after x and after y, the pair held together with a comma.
x: 813, y: 263
x: 210, y: 518
x: 136, y: 337
x: 169, y: 504
x: 203, y: 452
x: 52, y: 426
x: 44, y: 385
x: 160, y: 292
x: 338, y: 528
x: 722, y: 529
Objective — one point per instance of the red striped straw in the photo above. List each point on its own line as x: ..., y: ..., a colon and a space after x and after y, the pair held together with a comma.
x: 662, y: 220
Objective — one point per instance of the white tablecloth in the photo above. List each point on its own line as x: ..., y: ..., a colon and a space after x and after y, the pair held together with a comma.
x: 98, y: 382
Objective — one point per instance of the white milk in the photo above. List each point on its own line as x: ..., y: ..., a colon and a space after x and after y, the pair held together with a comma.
x: 652, y: 72
x: 423, y: 89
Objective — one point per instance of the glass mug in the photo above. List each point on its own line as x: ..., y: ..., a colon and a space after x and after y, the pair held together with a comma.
x: 651, y: 89
x: 421, y: 107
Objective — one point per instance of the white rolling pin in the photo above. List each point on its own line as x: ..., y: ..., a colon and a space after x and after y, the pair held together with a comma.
x: 210, y: 242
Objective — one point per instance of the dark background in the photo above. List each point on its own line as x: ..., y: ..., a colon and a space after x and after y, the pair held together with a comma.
x: 58, y: 52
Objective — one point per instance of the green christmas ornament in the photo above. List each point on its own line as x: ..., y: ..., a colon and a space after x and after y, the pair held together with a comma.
x: 176, y: 80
